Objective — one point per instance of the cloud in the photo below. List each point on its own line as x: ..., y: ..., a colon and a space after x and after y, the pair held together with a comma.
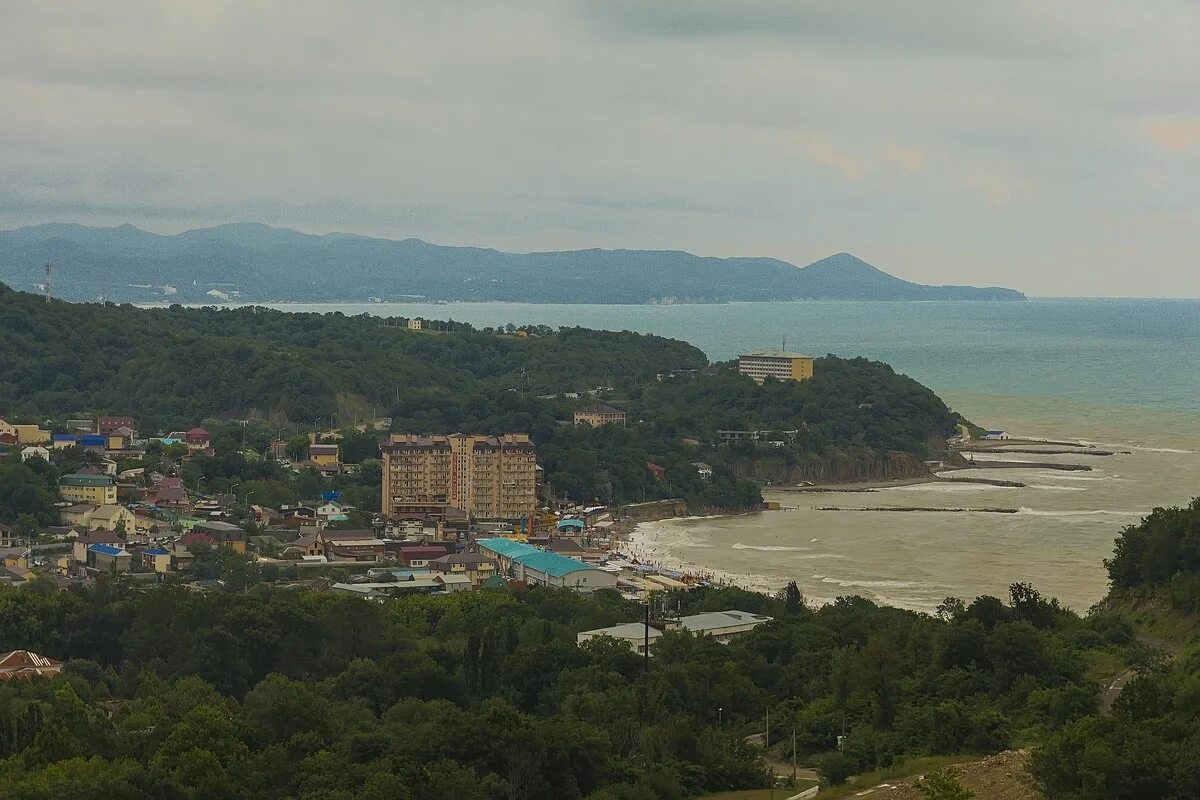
x: 1175, y: 137
x: 726, y: 128
x: 998, y: 183
x: 911, y: 159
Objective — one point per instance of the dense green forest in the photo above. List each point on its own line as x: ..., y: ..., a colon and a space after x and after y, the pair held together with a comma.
x: 1149, y: 746
x: 278, y: 693
x: 171, y: 367
x: 287, y: 373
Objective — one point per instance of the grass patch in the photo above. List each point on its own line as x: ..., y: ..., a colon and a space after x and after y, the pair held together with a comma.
x: 902, y: 769
x: 781, y: 793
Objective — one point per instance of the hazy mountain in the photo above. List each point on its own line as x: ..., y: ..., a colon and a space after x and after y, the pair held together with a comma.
x: 253, y: 262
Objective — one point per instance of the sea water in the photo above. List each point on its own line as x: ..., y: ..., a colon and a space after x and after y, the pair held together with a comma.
x: 1124, y: 374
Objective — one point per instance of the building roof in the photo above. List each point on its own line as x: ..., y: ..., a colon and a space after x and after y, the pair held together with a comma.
x: 197, y: 431
x: 345, y: 535
x: 598, y: 408
x: 715, y: 620
x: 507, y: 441
x: 155, y: 551
x: 24, y: 664
x: 356, y: 542
x: 629, y: 630
x: 506, y: 547
x: 420, y: 550
x: 773, y: 354
x: 108, y: 549
x: 322, y: 448
x: 466, y: 559
x: 552, y: 564
x: 99, y: 537
x: 456, y: 579
x: 62, y: 437
x: 108, y: 511
x: 85, y: 480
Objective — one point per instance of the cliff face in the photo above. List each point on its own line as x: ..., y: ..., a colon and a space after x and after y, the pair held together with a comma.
x: 840, y: 468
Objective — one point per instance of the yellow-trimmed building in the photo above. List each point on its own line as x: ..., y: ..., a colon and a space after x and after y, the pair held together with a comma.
x: 763, y: 364
x: 597, y: 415
x: 31, y: 434
x: 326, y: 456
x: 94, y: 489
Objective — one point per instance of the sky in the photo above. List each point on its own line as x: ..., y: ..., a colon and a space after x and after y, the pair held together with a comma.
x: 1052, y: 146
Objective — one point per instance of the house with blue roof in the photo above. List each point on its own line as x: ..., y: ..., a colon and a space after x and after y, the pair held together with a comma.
x: 157, y: 559
x: 110, y: 558
x: 524, y: 562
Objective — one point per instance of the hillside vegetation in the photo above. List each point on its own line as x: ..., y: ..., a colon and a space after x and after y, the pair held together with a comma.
x: 173, y: 367
x: 1149, y: 745
x: 258, y: 263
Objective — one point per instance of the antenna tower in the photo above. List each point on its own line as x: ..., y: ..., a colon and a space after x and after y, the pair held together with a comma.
x: 49, y: 269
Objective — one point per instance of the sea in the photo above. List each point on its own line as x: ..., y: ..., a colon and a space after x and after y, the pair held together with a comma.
x: 1121, y: 374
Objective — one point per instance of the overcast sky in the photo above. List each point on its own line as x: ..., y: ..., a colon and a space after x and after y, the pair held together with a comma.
x: 1048, y: 145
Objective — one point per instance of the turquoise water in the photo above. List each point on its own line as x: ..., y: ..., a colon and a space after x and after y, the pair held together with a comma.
x: 1122, y: 373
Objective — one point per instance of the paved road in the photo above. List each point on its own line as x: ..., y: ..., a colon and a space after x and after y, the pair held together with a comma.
x: 782, y: 769
x: 1114, y: 690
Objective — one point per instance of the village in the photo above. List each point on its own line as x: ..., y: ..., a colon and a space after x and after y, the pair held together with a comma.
x: 458, y: 513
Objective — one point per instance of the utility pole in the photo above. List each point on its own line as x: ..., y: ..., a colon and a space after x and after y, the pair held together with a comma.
x: 646, y: 644
x: 49, y: 270
x: 793, y: 756
x: 767, y: 740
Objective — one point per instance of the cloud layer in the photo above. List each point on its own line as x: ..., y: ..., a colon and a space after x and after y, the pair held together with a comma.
x: 1050, y: 146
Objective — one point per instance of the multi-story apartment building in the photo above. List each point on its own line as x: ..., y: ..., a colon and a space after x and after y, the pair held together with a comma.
x: 490, y: 477
x: 599, y: 414
x: 774, y: 364
x: 95, y: 489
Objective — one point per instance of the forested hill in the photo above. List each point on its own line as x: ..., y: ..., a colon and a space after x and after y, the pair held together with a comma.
x: 172, y: 366
x: 257, y: 263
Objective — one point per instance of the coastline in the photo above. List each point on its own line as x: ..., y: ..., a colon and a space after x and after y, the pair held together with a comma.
x: 904, y: 563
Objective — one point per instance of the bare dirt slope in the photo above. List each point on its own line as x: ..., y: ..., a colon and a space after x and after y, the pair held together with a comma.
x: 999, y: 777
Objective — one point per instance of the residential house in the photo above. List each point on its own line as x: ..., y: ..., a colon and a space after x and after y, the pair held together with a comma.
x: 475, y: 567
x: 8, y: 439
x: 598, y: 415
x: 111, y: 517
x: 721, y: 625
x: 996, y: 435
x: 172, y: 495
x: 157, y: 558
x: 454, y: 583
x: 109, y: 558
x: 94, y: 442
x: 658, y: 472
x: 83, y: 488
x: 6, y: 428
x: 352, y: 545
x: 9, y: 537
x: 195, y: 537
x: 526, y: 563
x: 413, y: 324
x: 305, y: 546
x: 224, y: 534
x: 81, y: 544
x: 333, y: 511
x: 30, y: 434
x: 18, y: 664
x: 572, y: 549
x: 325, y: 457
x: 107, y: 425
x: 120, y: 438
x: 60, y: 440
x: 703, y: 470
x: 420, y: 555
x: 35, y: 451
x: 197, y: 440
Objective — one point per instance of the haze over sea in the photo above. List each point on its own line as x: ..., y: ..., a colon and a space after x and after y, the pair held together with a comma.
x: 1124, y: 373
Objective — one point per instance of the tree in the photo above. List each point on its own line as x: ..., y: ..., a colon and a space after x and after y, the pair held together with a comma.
x: 942, y: 784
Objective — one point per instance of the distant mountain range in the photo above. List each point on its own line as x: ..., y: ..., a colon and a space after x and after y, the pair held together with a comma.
x: 249, y: 262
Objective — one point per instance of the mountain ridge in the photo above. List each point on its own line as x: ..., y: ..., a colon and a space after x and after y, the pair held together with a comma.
x: 254, y: 262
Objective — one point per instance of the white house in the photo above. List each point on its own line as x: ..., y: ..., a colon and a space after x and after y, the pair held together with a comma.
x: 35, y: 451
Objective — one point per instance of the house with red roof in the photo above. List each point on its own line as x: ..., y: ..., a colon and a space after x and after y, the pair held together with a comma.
x: 24, y: 664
